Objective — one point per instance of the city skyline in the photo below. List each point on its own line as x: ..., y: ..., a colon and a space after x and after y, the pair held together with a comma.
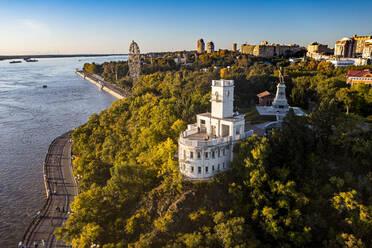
x: 55, y: 27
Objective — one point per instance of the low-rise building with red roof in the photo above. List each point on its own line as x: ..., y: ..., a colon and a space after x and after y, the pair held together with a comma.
x: 359, y: 76
x: 265, y: 98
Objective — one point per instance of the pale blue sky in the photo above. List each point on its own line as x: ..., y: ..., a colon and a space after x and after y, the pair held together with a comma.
x: 107, y: 26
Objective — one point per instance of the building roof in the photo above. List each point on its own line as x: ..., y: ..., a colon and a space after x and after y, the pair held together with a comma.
x: 343, y: 40
x: 359, y: 73
x: 265, y: 93
x: 234, y: 118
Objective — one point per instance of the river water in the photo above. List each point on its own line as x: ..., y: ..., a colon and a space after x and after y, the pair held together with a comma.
x: 30, y: 118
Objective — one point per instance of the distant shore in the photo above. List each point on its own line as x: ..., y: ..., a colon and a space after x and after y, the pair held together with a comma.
x: 5, y: 57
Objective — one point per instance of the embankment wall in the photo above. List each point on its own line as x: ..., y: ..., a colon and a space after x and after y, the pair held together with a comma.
x: 103, y: 86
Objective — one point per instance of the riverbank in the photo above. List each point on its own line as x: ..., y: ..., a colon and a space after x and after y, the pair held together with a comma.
x: 29, y: 125
x: 60, y: 188
x: 103, y: 85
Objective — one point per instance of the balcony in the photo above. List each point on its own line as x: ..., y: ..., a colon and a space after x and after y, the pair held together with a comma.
x: 195, y: 138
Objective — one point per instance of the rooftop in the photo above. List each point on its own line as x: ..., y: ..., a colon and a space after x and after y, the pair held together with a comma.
x: 202, y: 135
x: 222, y: 82
x: 265, y: 93
x: 358, y: 73
x: 236, y: 117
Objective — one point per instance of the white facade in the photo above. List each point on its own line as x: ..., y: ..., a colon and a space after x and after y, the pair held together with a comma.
x: 222, y: 98
x: 206, y: 147
x: 280, y: 100
x: 339, y: 63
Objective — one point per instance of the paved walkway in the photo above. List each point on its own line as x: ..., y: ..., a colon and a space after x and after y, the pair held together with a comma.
x: 61, y: 189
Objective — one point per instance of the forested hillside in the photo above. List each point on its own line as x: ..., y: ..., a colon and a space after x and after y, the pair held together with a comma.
x: 308, y: 185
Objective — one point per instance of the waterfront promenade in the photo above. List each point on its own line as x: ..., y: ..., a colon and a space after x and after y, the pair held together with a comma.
x: 61, y: 189
x: 110, y: 88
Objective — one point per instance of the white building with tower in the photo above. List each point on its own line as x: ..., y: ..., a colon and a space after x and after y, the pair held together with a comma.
x: 206, y: 147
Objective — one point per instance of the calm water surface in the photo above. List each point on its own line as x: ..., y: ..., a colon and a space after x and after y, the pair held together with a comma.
x: 30, y: 118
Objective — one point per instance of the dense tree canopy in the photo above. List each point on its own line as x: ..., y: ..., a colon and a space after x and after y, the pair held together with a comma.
x: 307, y: 185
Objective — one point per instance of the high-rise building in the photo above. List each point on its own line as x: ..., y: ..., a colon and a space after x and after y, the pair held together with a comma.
x: 268, y: 50
x: 318, y: 51
x: 316, y: 48
x: 201, y: 46
x: 210, y: 47
x: 344, y: 48
x: 367, y: 51
x: 234, y: 47
x: 351, y: 47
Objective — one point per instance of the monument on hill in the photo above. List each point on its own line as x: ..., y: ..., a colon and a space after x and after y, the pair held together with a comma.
x: 280, y: 101
x: 279, y: 106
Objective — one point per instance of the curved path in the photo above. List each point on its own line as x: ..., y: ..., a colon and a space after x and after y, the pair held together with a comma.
x: 60, y: 188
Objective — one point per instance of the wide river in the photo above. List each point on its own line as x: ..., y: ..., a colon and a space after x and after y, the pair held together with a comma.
x: 30, y: 118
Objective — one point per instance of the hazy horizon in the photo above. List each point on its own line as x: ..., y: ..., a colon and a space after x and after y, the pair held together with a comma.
x: 96, y: 27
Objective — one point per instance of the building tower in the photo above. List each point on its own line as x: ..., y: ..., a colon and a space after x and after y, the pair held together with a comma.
x: 222, y: 98
x: 234, y: 47
x: 201, y: 46
x: 280, y: 100
x: 210, y: 47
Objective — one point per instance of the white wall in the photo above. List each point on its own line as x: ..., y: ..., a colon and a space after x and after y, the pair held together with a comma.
x: 223, y: 102
x: 223, y: 160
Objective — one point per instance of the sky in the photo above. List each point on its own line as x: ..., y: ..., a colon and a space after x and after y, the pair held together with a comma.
x: 109, y: 26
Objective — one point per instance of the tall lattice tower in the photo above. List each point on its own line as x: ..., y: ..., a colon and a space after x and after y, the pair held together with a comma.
x: 134, y: 61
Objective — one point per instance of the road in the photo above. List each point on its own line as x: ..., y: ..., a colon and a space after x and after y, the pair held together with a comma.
x: 61, y: 189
